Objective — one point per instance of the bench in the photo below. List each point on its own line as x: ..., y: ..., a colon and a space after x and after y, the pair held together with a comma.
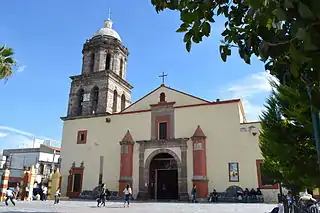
x: 231, y: 195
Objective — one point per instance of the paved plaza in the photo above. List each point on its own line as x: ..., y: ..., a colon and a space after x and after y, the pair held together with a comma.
x: 87, y: 206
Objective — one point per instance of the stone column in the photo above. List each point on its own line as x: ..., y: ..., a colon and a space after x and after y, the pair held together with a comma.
x: 4, y: 182
x: 142, y: 188
x: 183, y: 179
x: 200, y: 163
x: 126, y: 162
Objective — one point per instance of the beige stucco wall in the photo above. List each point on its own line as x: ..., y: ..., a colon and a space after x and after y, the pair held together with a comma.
x: 171, y: 95
x: 220, y: 122
x: 102, y: 140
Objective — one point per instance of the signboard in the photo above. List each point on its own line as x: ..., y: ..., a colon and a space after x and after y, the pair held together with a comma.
x: 86, y: 97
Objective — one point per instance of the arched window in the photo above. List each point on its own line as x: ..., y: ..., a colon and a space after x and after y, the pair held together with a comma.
x: 92, y: 63
x: 108, y: 61
x: 115, y: 99
x: 123, y: 102
x: 94, y: 99
x: 121, y: 68
x: 80, y: 101
x: 162, y: 97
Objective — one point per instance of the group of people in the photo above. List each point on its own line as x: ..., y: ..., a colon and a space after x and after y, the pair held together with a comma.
x: 14, y: 194
x: 104, y: 195
x: 251, y: 195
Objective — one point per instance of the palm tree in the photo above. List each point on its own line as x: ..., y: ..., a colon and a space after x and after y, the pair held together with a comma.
x: 6, y: 62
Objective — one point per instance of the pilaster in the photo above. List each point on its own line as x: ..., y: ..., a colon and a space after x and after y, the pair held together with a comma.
x: 4, y: 182
x: 200, y: 163
x: 126, y: 162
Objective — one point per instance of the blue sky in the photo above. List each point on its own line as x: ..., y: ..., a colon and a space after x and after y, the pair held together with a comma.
x: 47, y: 37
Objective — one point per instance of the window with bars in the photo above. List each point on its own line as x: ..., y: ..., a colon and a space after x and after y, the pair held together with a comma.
x: 163, y: 133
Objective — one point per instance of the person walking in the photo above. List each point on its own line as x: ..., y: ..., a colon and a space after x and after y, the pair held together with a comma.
x: 194, y: 193
x: 44, y: 193
x: 102, y: 196
x: 57, y: 196
x: 127, y: 193
x: 27, y: 189
x: 17, y: 191
x: 9, y: 195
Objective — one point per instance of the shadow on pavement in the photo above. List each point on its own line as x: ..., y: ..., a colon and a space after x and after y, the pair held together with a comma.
x: 108, y: 207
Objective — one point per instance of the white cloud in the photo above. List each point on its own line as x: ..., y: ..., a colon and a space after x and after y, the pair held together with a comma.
x: 252, y: 90
x: 3, y: 134
x: 20, y: 139
x: 21, y: 68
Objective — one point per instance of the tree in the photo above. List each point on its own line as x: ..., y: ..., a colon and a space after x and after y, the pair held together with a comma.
x: 286, y: 139
x: 7, y: 62
x: 285, y: 34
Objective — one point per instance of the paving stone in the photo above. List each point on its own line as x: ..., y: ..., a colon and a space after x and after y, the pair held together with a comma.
x: 90, y: 206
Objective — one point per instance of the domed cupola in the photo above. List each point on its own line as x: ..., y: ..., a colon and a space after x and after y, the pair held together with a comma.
x: 107, y: 30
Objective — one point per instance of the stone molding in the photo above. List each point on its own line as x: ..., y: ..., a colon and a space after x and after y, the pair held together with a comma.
x: 126, y: 179
x: 200, y: 178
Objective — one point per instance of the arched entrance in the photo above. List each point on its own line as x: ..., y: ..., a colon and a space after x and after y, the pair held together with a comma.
x: 163, y: 177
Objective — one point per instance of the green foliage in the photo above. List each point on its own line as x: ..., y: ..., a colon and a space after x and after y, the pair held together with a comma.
x: 6, y: 62
x: 287, y: 143
x: 284, y: 34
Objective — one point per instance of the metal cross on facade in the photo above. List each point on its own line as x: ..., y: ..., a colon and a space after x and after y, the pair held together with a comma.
x: 163, y: 76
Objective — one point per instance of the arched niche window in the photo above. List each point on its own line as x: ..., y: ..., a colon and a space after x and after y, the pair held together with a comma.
x: 121, y: 68
x: 80, y: 101
x: 94, y: 99
x: 108, y: 61
x: 92, y: 62
x: 123, y: 102
x: 115, y: 99
x: 162, y: 97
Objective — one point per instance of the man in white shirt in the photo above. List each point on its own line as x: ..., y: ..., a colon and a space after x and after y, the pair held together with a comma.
x: 9, y: 195
x: 44, y: 193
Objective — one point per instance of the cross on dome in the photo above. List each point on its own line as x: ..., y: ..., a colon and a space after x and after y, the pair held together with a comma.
x: 108, y: 22
x: 107, y: 29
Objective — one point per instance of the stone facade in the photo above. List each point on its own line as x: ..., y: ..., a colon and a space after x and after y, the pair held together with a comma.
x: 104, y: 70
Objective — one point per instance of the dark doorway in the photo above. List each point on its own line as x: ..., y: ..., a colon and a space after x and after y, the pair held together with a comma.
x: 163, y: 178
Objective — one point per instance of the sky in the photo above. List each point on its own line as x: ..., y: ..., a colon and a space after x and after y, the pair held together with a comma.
x: 48, y: 36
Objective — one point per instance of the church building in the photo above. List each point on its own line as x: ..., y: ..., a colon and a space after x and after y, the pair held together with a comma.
x: 162, y: 144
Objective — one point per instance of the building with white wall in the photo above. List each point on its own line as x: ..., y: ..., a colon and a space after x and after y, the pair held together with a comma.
x: 45, y: 157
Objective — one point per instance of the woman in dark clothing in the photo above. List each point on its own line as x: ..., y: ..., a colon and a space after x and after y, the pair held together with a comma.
x: 102, y: 196
x: 194, y: 193
x: 108, y: 194
x: 253, y: 195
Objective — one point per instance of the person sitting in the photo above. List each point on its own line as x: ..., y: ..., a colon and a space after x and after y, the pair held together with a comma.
x: 246, y: 194
x: 36, y: 197
x: 213, y: 197
x: 259, y: 195
x: 253, y: 195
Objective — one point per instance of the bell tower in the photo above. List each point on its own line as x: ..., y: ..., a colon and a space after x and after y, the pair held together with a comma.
x: 101, y: 88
